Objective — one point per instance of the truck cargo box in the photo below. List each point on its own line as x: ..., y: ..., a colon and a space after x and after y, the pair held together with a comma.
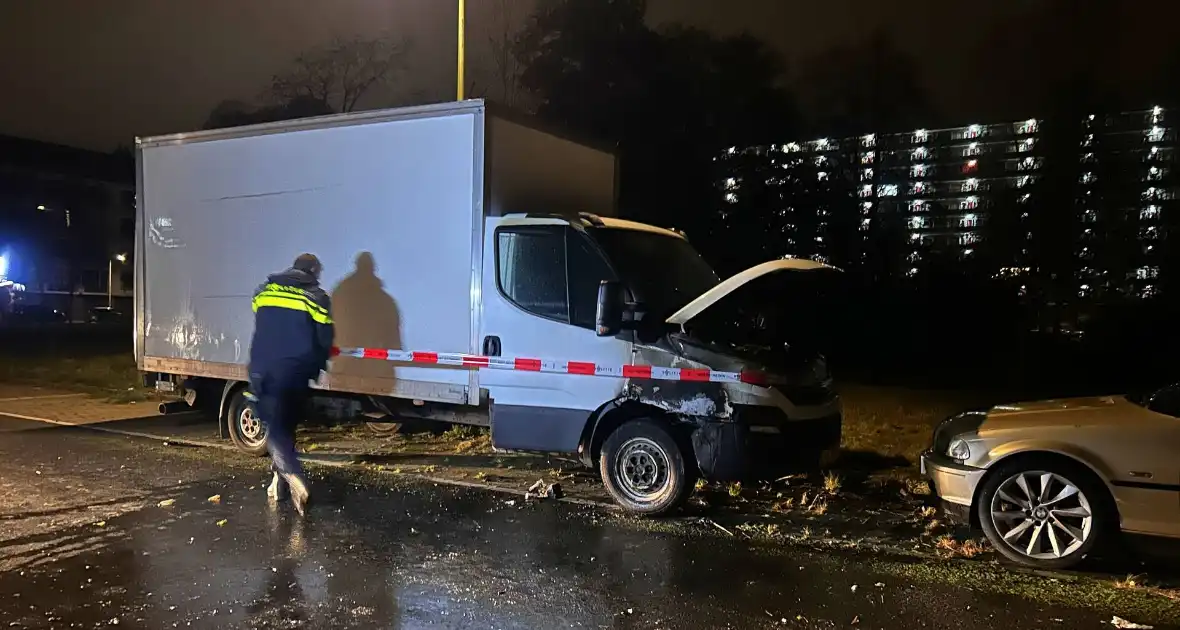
x: 392, y: 202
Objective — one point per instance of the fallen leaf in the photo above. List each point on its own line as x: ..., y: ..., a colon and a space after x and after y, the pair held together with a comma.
x: 854, y: 587
x: 215, y: 498
x: 1119, y: 622
x: 101, y: 524
x: 167, y: 503
x: 222, y: 522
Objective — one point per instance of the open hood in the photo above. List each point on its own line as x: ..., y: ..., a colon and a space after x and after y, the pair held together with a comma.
x: 736, y: 282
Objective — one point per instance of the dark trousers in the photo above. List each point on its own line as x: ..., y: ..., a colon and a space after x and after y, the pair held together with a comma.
x: 281, y: 402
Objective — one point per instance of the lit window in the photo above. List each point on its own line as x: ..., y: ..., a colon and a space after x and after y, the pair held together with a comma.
x: 1150, y: 212
x: 822, y: 144
x: 1023, y: 180
x: 1155, y: 134
x: 1089, y: 216
x: 1024, y: 198
x: 1088, y: 177
x: 971, y: 166
x: 969, y: 221
x: 822, y: 176
x: 921, y: 135
x: 731, y: 197
x: 1028, y: 126
x: 1155, y: 173
x: 969, y: 238
x: 1029, y: 163
x: 793, y: 147
x: 865, y: 224
x: 1088, y: 158
x: 968, y: 252
x: 866, y: 207
x: 919, y: 188
x: 1026, y: 144
x: 820, y: 160
x: 888, y: 190
x: 919, y: 205
x: 1145, y: 273
x: 920, y: 153
x: 970, y: 185
x: 973, y: 131
x: 868, y: 140
x: 1149, y: 290
x: 1153, y: 193
x: 1088, y: 141
x: 868, y: 157
x: 866, y: 190
x: 1149, y: 233
x: 912, y: 272
x: 1157, y: 114
x: 969, y: 203
x: 1083, y: 290
x: 917, y: 223
x: 731, y: 151
x: 918, y: 170
x: 866, y: 174
x: 914, y: 257
x: 972, y: 149
x: 731, y: 183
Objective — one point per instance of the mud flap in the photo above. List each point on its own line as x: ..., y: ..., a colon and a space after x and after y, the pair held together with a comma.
x: 720, y: 449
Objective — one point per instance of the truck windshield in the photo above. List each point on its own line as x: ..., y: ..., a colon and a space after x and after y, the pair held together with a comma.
x: 665, y: 272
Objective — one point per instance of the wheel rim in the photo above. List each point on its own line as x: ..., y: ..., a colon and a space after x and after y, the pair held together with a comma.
x: 1041, y: 515
x: 250, y: 427
x: 642, y: 468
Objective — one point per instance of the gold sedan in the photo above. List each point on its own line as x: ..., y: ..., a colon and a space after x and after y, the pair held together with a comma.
x: 1049, y: 481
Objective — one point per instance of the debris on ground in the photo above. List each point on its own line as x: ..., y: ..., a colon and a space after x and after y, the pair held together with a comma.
x: 215, y: 498
x: 1123, y: 624
x: 542, y: 490
x: 222, y: 522
x: 167, y: 503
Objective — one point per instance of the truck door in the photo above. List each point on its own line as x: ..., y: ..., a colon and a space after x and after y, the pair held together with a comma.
x: 539, y: 294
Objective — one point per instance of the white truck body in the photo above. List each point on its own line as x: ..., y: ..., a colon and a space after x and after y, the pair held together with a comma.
x: 391, y: 202
x: 449, y: 229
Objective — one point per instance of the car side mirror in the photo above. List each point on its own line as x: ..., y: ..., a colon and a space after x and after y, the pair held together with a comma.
x: 608, y: 315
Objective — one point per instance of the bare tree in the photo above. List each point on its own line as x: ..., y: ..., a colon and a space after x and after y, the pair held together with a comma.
x: 342, y: 72
x: 507, y: 16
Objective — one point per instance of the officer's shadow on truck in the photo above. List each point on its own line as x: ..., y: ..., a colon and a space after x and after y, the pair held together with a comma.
x: 366, y: 316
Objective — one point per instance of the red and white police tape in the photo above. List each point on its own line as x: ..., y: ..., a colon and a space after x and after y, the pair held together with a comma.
x: 582, y: 368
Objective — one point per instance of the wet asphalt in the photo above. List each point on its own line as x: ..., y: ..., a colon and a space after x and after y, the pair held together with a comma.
x: 98, y: 531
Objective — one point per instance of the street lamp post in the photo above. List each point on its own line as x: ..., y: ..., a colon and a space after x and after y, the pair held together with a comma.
x: 121, y: 258
x: 462, y: 47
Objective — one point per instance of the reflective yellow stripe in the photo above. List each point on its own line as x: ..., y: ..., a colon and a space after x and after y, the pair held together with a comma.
x: 292, y: 302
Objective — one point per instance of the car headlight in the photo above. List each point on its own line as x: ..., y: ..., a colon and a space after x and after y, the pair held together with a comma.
x: 959, y: 450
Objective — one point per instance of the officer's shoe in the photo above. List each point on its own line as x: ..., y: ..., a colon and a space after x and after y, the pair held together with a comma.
x: 277, y: 490
x: 300, y: 494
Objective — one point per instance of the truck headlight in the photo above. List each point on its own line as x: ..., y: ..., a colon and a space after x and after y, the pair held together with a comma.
x: 959, y: 450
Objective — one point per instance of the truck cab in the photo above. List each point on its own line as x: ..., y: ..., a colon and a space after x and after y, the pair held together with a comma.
x: 642, y: 365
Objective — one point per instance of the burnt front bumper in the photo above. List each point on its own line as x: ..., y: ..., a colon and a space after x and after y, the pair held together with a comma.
x: 762, y: 443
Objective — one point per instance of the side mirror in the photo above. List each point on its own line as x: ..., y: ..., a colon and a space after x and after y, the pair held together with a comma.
x: 608, y: 316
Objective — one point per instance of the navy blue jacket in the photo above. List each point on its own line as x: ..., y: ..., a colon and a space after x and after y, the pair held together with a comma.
x: 292, y: 328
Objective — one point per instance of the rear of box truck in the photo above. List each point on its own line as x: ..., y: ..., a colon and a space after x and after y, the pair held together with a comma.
x: 392, y: 205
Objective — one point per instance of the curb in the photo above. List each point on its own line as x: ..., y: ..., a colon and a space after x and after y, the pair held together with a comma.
x: 312, y: 461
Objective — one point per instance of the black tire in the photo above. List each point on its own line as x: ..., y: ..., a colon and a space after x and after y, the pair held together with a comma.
x: 248, y: 434
x: 663, y: 481
x: 1057, y: 519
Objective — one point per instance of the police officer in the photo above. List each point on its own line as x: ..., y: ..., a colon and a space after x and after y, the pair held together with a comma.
x: 292, y: 342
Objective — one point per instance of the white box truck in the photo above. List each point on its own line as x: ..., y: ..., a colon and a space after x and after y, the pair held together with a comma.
x: 476, y: 276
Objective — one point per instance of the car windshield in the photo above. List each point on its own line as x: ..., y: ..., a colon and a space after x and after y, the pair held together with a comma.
x: 664, y: 271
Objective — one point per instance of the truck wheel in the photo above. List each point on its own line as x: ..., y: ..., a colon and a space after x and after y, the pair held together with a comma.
x: 245, y: 427
x: 384, y: 428
x: 643, y: 468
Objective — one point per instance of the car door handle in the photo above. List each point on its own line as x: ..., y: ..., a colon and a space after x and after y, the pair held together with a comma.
x: 491, y: 346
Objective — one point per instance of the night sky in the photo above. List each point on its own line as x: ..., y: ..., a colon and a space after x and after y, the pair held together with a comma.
x: 96, y: 74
